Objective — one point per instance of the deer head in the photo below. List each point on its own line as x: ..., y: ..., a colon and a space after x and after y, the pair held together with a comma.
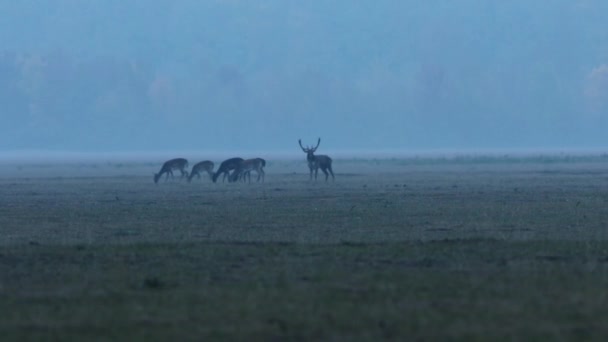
x: 309, y: 150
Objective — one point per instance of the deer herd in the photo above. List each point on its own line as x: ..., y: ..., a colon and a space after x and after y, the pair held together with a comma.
x: 236, y: 169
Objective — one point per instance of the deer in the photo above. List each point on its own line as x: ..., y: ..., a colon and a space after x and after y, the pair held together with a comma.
x: 206, y: 166
x: 225, y: 167
x: 246, y: 166
x: 317, y: 161
x: 170, y: 165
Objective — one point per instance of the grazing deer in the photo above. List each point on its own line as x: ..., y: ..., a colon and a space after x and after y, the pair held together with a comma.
x: 317, y: 161
x: 206, y: 166
x: 225, y: 167
x: 170, y: 165
x: 246, y: 166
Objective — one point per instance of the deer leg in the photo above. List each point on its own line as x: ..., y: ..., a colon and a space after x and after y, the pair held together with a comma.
x: 325, y: 172
x: 233, y: 177
x: 316, y: 173
x: 333, y: 178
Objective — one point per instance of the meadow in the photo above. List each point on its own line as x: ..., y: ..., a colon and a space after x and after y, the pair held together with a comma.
x: 473, y: 248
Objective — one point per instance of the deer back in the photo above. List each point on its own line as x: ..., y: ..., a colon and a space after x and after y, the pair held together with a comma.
x: 177, y: 163
x: 230, y: 164
x: 206, y: 165
x: 322, y: 160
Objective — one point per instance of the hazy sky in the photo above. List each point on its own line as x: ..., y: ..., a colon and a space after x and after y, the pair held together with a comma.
x: 128, y: 75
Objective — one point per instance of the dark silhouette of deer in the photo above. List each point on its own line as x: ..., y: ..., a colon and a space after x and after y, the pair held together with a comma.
x: 225, y: 167
x: 244, y: 169
x: 174, y: 164
x: 317, y: 161
x: 204, y: 166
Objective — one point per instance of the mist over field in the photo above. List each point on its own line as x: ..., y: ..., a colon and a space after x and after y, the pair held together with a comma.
x: 465, y: 197
x: 105, y: 76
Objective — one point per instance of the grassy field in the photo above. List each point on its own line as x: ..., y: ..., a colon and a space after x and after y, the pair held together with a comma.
x: 470, y: 249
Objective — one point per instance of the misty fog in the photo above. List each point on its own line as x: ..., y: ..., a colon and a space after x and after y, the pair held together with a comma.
x: 108, y: 75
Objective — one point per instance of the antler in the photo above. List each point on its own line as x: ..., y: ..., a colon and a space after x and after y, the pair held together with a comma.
x: 318, y: 142
x: 302, y: 147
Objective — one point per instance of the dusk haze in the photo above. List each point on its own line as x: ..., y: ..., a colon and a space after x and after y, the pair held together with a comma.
x: 303, y: 170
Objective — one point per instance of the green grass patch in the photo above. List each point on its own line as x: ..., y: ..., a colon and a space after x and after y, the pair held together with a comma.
x: 450, y: 289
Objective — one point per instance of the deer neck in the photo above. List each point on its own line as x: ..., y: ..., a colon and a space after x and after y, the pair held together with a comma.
x: 310, y: 157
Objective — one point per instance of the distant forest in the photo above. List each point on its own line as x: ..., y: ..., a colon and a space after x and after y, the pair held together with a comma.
x: 103, y: 75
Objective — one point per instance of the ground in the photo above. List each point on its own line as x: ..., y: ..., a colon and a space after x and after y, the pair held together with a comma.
x: 459, y: 248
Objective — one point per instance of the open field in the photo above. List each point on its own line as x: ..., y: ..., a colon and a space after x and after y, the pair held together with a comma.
x: 465, y: 249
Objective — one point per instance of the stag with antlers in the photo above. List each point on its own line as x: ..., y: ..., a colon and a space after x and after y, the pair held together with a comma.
x: 317, y: 161
x: 174, y: 164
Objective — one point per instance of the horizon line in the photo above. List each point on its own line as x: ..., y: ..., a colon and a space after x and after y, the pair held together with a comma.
x: 40, y: 155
